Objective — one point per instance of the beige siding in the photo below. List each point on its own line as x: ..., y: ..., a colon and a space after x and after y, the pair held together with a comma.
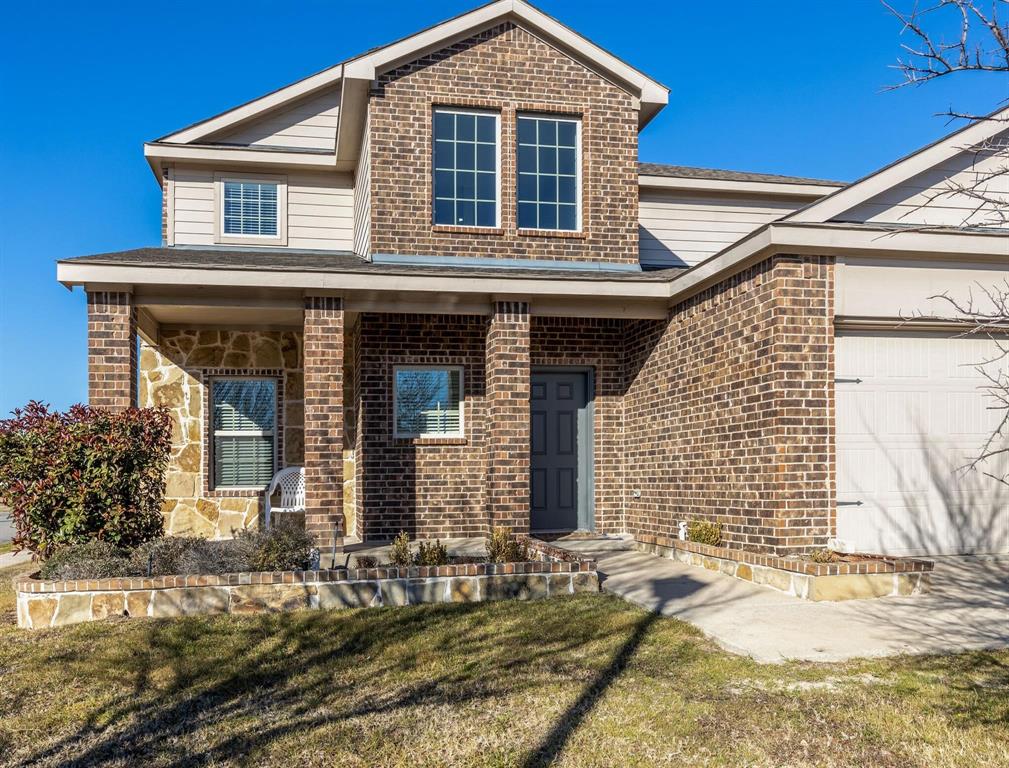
x: 311, y: 124
x: 362, y: 196
x: 680, y: 228
x: 930, y: 199
x: 319, y: 209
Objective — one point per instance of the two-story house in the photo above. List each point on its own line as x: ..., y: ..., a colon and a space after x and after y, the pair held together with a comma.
x: 437, y: 276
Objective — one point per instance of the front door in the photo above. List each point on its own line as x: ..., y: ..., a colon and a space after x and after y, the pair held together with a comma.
x: 561, y: 456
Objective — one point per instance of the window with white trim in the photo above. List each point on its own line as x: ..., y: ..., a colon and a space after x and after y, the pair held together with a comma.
x: 465, y: 166
x: 244, y: 436
x: 250, y: 209
x: 549, y: 173
x: 427, y: 401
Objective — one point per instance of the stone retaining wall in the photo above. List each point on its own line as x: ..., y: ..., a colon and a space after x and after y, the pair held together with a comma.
x: 43, y: 604
x: 878, y: 577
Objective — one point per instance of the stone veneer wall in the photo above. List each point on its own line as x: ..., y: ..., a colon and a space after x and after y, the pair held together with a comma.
x: 729, y: 412
x: 173, y: 375
x: 507, y: 70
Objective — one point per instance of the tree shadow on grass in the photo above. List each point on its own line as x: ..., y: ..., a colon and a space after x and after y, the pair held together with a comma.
x: 210, y: 691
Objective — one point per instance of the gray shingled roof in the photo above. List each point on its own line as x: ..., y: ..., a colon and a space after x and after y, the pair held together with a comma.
x: 714, y: 174
x: 340, y: 261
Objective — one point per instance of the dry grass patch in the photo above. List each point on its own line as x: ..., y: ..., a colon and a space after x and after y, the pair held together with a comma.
x: 585, y: 681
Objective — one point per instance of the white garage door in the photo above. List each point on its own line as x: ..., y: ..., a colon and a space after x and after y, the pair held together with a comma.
x: 911, y: 412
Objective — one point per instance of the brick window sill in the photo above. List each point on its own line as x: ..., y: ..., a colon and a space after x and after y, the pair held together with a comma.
x: 453, y: 230
x: 432, y: 441
x: 561, y: 233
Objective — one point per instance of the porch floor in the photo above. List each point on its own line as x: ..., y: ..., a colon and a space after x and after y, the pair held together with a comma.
x: 967, y: 608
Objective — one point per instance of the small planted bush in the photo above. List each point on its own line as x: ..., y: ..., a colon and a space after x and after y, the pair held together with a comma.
x: 279, y: 549
x: 502, y: 548
x: 91, y: 560
x: 823, y: 556
x: 282, y: 548
x: 399, y: 553
x: 86, y: 474
x: 432, y: 553
x: 703, y: 532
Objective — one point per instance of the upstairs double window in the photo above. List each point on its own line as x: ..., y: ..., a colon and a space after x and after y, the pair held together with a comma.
x: 548, y: 173
x: 466, y: 153
x: 467, y: 170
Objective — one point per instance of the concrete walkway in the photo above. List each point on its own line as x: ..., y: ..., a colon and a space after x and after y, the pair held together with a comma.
x: 968, y: 608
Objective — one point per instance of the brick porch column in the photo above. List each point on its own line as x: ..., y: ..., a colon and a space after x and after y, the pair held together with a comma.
x: 507, y: 369
x: 324, y: 324
x: 112, y: 350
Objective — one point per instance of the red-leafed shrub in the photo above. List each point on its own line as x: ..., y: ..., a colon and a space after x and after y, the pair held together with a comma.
x: 85, y: 474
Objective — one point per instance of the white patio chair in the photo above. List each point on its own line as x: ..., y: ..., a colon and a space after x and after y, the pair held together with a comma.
x: 291, y: 481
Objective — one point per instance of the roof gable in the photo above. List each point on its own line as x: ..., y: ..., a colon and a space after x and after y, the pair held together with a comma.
x: 883, y: 187
x: 365, y: 67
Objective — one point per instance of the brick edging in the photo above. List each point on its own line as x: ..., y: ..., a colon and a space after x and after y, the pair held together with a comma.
x: 878, y: 564
x: 550, y: 560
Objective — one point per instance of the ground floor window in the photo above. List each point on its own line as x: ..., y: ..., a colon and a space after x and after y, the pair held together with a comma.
x: 244, y: 436
x: 428, y: 401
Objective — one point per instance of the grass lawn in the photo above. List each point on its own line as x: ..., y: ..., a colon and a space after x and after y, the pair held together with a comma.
x: 5, y: 547
x: 584, y: 681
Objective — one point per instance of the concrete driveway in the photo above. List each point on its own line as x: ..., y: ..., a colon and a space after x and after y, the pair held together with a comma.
x: 968, y: 608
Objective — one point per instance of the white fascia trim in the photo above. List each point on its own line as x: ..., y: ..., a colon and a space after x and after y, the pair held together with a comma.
x: 71, y: 274
x: 846, y: 198
x: 170, y: 153
x: 832, y: 239
x: 784, y: 189
x: 257, y: 107
x: 368, y: 66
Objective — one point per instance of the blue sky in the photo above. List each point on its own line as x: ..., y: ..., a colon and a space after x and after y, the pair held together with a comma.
x: 782, y: 87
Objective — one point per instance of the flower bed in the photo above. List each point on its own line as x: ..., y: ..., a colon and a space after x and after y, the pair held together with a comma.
x: 864, y: 576
x: 550, y: 571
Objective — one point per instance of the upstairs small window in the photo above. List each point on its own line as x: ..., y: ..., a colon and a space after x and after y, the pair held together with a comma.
x: 244, y: 431
x: 549, y: 173
x: 428, y: 402
x: 250, y: 208
x: 465, y: 168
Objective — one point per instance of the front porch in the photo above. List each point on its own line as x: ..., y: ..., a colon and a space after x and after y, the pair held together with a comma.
x: 333, y: 363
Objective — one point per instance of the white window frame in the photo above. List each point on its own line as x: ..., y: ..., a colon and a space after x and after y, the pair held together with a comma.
x: 212, y: 480
x: 234, y: 239
x: 578, y: 168
x: 395, y: 402
x: 497, y: 140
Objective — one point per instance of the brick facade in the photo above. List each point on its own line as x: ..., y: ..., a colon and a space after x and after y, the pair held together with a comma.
x: 508, y: 332
x: 323, y: 405
x: 729, y: 412
x: 510, y: 71
x: 429, y: 487
x: 112, y: 350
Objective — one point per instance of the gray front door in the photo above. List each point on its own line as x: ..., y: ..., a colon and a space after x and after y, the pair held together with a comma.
x: 561, y: 470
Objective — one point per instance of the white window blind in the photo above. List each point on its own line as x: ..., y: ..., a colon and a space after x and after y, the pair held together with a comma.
x: 428, y: 401
x: 244, y: 423
x: 250, y: 208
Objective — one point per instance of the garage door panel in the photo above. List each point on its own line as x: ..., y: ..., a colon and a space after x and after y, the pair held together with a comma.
x: 911, y: 413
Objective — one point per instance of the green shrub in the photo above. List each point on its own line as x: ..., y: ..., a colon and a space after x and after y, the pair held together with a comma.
x: 91, y: 560
x: 85, y: 474
x: 399, y: 553
x: 823, y: 556
x: 432, y: 553
x: 502, y: 548
x: 703, y: 532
